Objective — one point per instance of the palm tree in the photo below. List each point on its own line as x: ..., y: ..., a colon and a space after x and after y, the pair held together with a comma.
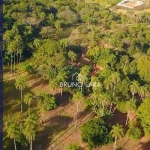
x: 41, y: 102
x: 105, y: 100
x: 143, y: 91
x: 53, y: 84
x: 12, y: 132
x: 51, y: 18
x: 100, y: 102
x: 61, y: 77
x: 28, y: 99
x: 82, y: 79
x: 85, y: 70
x: 96, y: 90
x: 117, y: 132
x: 42, y: 17
x: 64, y: 43
x: 7, y: 36
x: 108, y: 84
x: 58, y: 25
x: 30, y: 128
x: 20, y: 85
x: 15, y: 29
x: 115, y: 78
x: 72, y: 56
x: 15, y: 51
x: 130, y: 107
x: 36, y: 42
x: 134, y: 88
x: 77, y: 98
x: 18, y: 40
x: 28, y: 32
x: 83, y: 75
x: 11, y: 49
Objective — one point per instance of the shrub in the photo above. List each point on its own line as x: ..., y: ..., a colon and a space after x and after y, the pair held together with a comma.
x: 28, y: 68
x: 134, y: 133
x: 121, y: 106
x: 48, y: 100
x: 73, y: 146
x: 96, y: 133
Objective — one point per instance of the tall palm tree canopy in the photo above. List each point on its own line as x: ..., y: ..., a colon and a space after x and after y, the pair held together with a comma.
x: 78, y: 96
x: 134, y: 87
x: 12, y: 131
x: 20, y: 83
x: 117, y: 131
x: 28, y: 98
x: 130, y: 105
x: 30, y: 126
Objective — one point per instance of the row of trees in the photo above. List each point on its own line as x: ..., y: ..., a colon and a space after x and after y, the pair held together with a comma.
x: 97, y: 133
x: 21, y: 130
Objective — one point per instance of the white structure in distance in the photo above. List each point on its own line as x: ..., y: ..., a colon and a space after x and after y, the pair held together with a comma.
x: 130, y: 3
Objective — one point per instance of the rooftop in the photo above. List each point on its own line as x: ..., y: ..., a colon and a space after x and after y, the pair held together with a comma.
x: 130, y: 3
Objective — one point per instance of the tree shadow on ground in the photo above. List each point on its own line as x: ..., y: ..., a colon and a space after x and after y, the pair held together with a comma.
x: 54, y: 126
x: 82, y: 114
x: 37, y: 83
x: 12, y: 97
x: 44, y: 136
x: 62, y: 121
x: 119, y: 118
x: 120, y: 148
x: 66, y: 96
x: 57, y: 113
x: 70, y: 131
x: 144, y: 146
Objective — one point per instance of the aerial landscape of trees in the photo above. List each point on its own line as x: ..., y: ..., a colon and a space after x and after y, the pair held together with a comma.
x: 51, y: 41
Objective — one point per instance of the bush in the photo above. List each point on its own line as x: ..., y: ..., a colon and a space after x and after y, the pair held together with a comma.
x: 48, y: 100
x: 121, y: 106
x: 73, y: 146
x: 134, y: 133
x: 96, y: 133
x: 28, y: 68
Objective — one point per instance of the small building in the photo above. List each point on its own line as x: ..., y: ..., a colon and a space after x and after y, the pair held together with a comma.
x: 131, y: 3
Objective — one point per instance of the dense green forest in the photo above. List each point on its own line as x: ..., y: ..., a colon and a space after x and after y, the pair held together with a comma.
x: 48, y: 39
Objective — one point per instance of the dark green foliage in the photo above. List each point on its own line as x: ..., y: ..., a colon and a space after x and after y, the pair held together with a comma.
x: 134, y: 133
x: 143, y: 115
x: 23, y: 142
x: 96, y: 133
x: 28, y: 68
x: 121, y: 106
x: 103, y: 57
x: 49, y: 59
x: 48, y: 101
x: 143, y: 63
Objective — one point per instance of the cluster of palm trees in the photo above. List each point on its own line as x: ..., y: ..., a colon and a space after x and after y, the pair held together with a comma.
x: 46, y: 102
x: 20, y: 85
x: 102, y: 97
x: 77, y: 99
x: 136, y: 88
x: 14, y: 46
x: 16, y: 126
x: 117, y: 132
